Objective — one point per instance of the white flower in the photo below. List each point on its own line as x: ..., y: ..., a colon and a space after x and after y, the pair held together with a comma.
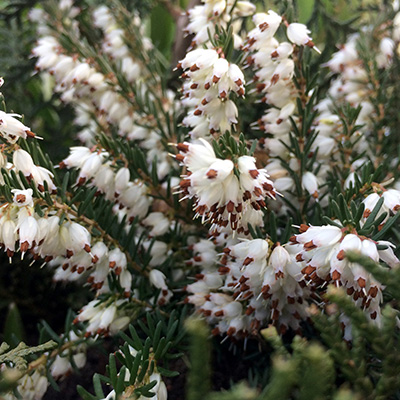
x: 90, y: 167
x: 107, y: 316
x: 60, y: 366
x: 309, y: 182
x: 79, y: 237
x: 158, y: 252
x: 28, y: 231
x: 157, y: 278
x: 12, y: 129
x: 117, y: 260
x: 78, y: 156
x: 159, y: 223
x: 298, y: 34
x: 267, y: 25
x: 386, y: 46
x: 121, y: 180
x: 391, y: 203
x: 9, y: 236
x: 23, y: 162
x: 23, y: 197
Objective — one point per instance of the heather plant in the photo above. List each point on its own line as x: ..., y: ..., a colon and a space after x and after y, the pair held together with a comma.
x: 231, y: 198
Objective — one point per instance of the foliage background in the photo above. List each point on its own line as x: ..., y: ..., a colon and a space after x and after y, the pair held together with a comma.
x: 24, y: 290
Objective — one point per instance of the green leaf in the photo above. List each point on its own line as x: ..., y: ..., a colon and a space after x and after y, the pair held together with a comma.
x: 85, y: 394
x: 162, y: 29
x: 386, y: 227
x: 97, y: 385
x: 371, y: 218
x: 13, y: 326
x: 51, y: 333
x: 305, y: 9
x: 167, y: 372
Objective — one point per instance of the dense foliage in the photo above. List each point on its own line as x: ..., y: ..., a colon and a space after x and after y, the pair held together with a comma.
x: 215, y: 199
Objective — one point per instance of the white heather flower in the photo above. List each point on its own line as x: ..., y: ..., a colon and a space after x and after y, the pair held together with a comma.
x: 157, y: 278
x: 211, y: 78
x: 23, y: 162
x: 23, y: 197
x: 158, y: 252
x: 204, y: 254
x: 130, y: 69
x: 62, y: 366
x: 117, y: 260
x: 28, y: 231
x: 90, y: 167
x: 267, y: 25
x: 244, y: 8
x: 309, y: 182
x: 121, y: 180
x: 159, y: 223
x: 99, y: 251
x: 387, y: 255
x: 396, y: 27
x: 279, y: 258
x: 42, y: 175
x: 298, y: 34
x: 125, y: 280
x: 386, y: 46
x: 104, y: 180
x: 119, y: 324
x: 96, y: 81
x: 203, y: 18
x: 392, y: 199
x: 199, y: 59
x: 284, y: 71
x: 80, y: 237
x: 318, y: 236
x: 107, y: 316
x: 12, y: 129
x: 78, y: 156
x: 81, y: 73
x: 9, y: 236
x: 63, y: 67
x: 74, y: 238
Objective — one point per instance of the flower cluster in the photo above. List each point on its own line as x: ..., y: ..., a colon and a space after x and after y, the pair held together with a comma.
x: 315, y: 149
x: 30, y: 386
x: 225, y: 193
x: 391, y: 202
x: 44, y: 237
x: 64, y: 361
x: 273, y: 63
x: 94, y: 91
x: 103, y: 317
x: 94, y: 167
x: 210, y: 79
x: 203, y: 19
x: 66, y: 244
x: 253, y: 286
x: 324, y: 254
